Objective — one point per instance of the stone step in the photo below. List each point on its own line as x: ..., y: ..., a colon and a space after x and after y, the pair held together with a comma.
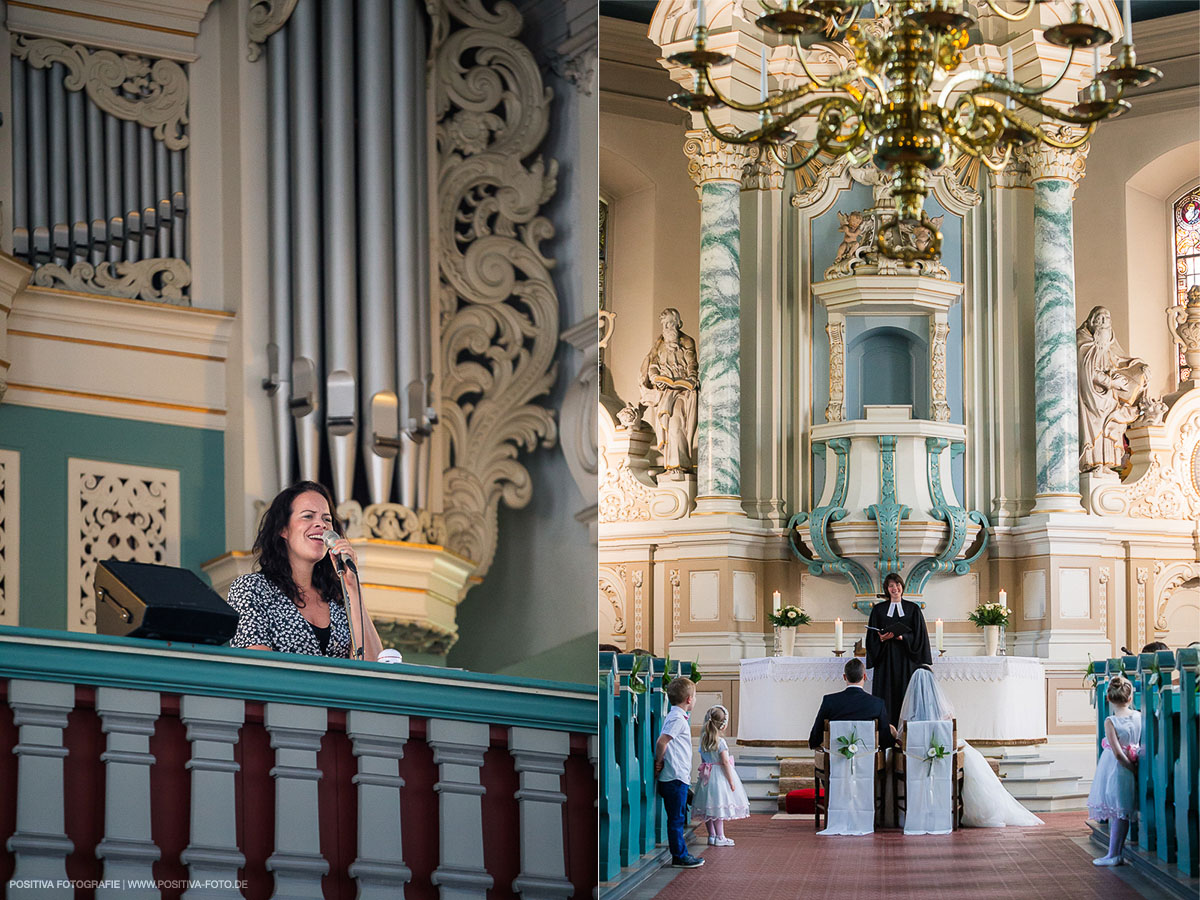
x: 1058, y: 803
x: 798, y: 768
x: 793, y: 784
x: 1032, y: 767
x: 1028, y: 788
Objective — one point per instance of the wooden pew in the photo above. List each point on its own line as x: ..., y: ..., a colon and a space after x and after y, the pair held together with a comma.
x: 1187, y: 767
x: 610, y: 771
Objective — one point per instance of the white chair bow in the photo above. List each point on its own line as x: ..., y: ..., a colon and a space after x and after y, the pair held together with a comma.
x: 851, y: 796
x: 929, y: 786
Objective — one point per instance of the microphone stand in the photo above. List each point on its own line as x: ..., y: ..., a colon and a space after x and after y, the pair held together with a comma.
x: 356, y: 645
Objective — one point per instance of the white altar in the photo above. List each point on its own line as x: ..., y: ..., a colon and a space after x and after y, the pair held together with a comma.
x: 995, y: 698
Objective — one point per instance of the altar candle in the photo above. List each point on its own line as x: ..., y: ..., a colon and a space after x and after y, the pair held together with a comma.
x: 939, y: 633
x: 1008, y: 73
x: 775, y: 597
x: 1128, y: 21
x: 762, y: 76
x: 837, y: 634
x: 1004, y: 598
x: 699, y: 13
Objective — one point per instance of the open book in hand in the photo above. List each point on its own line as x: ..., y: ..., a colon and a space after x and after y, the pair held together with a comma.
x: 898, y: 627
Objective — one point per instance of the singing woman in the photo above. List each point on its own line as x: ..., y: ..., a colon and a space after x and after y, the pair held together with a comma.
x: 293, y: 603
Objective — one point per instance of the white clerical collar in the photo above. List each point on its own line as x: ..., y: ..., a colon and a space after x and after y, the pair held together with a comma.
x: 896, y: 609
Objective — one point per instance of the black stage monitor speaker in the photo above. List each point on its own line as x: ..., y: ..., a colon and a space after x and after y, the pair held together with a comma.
x: 160, y: 602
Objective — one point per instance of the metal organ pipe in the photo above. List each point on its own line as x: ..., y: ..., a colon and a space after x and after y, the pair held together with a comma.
x: 57, y: 95
x: 149, y: 210
x: 95, y: 190
x: 39, y: 188
x: 279, y: 351
x: 133, y: 216
x: 341, y: 294
x: 306, y: 248
x: 162, y: 194
x: 423, y: 174
x: 178, y: 206
x: 20, y: 161
x: 408, y: 133
x: 380, y: 436
x: 77, y: 195
x: 112, y: 187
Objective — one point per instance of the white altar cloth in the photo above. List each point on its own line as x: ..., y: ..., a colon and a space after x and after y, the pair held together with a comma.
x: 996, y: 698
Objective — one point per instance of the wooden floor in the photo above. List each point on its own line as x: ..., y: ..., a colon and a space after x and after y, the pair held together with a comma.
x: 784, y: 858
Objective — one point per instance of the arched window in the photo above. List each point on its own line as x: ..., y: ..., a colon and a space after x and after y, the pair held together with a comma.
x: 1187, y: 258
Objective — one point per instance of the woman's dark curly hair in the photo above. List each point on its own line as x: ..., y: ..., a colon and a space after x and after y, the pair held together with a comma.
x: 272, y: 549
x: 892, y: 576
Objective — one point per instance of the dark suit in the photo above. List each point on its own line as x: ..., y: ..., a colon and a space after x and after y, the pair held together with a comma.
x: 852, y: 704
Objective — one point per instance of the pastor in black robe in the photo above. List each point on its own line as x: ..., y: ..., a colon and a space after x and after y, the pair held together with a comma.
x: 893, y: 662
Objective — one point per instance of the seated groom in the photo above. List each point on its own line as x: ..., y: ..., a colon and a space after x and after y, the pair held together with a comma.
x: 852, y: 704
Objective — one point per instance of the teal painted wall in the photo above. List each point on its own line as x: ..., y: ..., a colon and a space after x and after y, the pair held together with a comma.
x: 46, y: 439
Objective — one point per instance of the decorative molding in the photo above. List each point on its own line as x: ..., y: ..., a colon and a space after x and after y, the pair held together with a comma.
x: 1045, y: 161
x: 764, y: 173
x: 887, y: 512
x: 264, y: 18
x: 1143, y: 575
x: 710, y: 159
x: 1102, y: 593
x: 130, y: 513
x: 578, y: 416
x: 1169, y: 579
x: 835, y: 410
x: 675, y: 603
x: 10, y: 537
x: 937, y: 370
x: 638, y: 577
x: 498, y: 304
x: 611, y: 584
x: 1015, y: 175
x: 623, y: 496
x: 392, y: 522
x: 160, y: 279
x: 132, y: 88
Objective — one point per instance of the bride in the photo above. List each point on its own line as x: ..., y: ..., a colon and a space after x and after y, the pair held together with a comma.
x: 986, y: 804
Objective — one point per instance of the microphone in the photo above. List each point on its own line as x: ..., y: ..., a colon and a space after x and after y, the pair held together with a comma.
x: 331, y: 537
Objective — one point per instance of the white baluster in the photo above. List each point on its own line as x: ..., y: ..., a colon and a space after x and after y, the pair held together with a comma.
x: 378, y: 741
x: 212, y: 854
x: 40, y: 844
x: 458, y: 749
x: 128, y: 850
x: 539, y: 757
x: 296, y: 733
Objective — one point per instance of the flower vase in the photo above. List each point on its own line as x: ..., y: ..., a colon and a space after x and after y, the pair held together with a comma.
x: 787, y: 639
x: 991, y: 639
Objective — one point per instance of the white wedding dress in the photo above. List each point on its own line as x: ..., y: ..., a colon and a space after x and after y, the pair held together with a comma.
x: 986, y: 804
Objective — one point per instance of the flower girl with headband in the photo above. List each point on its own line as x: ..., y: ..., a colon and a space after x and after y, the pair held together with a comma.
x: 719, y: 793
x: 1114, y: 789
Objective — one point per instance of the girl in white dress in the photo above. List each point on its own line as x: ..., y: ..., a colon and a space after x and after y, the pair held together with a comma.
x: 1114, y: 789
x: 986, y: 804
x: 719, y: 791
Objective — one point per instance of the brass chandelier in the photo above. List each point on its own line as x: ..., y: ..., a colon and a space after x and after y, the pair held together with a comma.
x: 882, y: 106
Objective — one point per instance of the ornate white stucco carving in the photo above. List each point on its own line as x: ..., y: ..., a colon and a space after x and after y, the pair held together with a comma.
x: 579, y: 418
x: 710, y: 159
x: 1164, y: 482
x: 1045, y: 161
x: 763, y: 173
x: 498, y: 304
x: 1111, y: 392
x: 937, y: 371
x: 161, y: 279
x: 132, y: 88
x: 10, y: 541
x: 1184, y: 322
x: 675, y: 602
x: 264, y: 18
x: 835, y: 410
x: 1102, y: 593
x: 1185, y: 575
x: 392, y: 522
x: 1143, y: 575
x: 114, y: 510
x: 611, y: 580
x: 638, y: 578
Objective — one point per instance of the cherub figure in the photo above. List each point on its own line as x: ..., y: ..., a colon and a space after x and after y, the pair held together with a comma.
x: 851, y: 227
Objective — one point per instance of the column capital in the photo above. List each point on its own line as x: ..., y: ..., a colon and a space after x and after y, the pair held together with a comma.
x: 763, y: 172
x: 1015, y: 175
x: 1046, y: 161
x: 711, y: 159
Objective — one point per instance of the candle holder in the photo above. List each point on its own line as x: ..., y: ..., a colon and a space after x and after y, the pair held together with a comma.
x: 941, y: 653
x: 838, y: 652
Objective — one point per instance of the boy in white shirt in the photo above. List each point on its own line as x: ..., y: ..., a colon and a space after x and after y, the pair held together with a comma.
x: 673, y: 766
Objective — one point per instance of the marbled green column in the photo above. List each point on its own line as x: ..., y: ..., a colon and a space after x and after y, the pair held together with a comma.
x: 1056, y: 382
x: 718, y: 429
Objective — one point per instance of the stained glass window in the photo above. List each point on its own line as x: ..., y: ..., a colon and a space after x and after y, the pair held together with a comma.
x: 1187, y: 257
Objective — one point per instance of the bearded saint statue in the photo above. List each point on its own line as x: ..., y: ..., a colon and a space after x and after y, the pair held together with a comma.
x: 1111, y: 385
x: 670, y: 389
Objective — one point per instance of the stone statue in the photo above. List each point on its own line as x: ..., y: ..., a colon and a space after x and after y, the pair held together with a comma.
x: 1112, y: 392
x: 670, y: 390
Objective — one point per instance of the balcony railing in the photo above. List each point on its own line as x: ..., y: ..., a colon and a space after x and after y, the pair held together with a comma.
x: 147, y: 769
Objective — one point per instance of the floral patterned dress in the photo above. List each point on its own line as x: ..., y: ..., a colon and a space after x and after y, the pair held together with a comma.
x: 269, y: 617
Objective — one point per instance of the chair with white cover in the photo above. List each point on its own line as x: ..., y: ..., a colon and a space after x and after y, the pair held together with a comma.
x: 850, y: 777
x: 930, y: 771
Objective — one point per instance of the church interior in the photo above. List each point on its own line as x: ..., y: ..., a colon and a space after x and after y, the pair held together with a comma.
x: 788, y: 414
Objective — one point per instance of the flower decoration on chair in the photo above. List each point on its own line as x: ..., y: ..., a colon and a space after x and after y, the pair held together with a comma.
x: 789, y: 617
x: 990, y: 614
x: 935, y: 752
x: 883, y: 105
x: 850, y: 748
